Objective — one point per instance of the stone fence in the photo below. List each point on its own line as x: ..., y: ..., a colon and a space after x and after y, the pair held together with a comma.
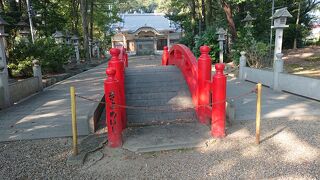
x: 24, y: 88
x: 14, y: 92
x: 279, y: 80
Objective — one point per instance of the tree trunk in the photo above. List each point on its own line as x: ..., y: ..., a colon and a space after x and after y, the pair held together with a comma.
x: 1, y: 6
x: 297, y: 24
x: 203, y: 13
x: 227, y: 10
x: 208, y: 13
x: 193, y: 19
x: 91, y: 19
x: 84, y: 8
x: 75, y: 17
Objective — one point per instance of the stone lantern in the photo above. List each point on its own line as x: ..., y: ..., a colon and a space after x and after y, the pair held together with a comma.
x: 248, y: 20
x: 90, y: 47
x: 75, y: 41
x: 68, y: 38
x: 59, y: 37
x: 221, y: 37
x: 279, y: 20
x: 4, y: 85
x: 23, y: 29
x: 97, y: 48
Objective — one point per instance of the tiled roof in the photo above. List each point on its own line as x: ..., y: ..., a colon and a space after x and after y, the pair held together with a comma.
x: 283, y: 12
x: 132, y: 22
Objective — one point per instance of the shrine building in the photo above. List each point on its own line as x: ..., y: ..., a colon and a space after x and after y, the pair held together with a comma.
x: 146, y: 33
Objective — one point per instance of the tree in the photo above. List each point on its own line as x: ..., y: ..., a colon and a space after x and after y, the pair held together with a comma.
x: 84, y: 15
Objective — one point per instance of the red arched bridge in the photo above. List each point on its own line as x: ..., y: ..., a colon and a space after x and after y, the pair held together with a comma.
x: 130, y: 98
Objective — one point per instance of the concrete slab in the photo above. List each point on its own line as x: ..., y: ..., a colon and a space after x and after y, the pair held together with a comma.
x: 166, y: 137
x: 47, y: 114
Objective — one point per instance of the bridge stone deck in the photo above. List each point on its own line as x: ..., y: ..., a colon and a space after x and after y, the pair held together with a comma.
x: 168, y: 120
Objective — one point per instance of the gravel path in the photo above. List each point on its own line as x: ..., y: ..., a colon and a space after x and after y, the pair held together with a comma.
x: 36, y: 159
x: 289, y: 150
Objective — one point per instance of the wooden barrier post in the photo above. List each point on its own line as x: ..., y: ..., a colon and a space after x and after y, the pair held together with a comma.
x: 113, y: 112
x: 258, y: 113
x: 74, y: 121
x: 204, y: 77
x: 219, y: 85
x: 118, y: 65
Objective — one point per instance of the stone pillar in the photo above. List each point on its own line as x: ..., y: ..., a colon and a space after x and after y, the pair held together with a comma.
x: 4, y: 86
x: 155, y: 45
x: 168, y: 40
x: 221, y: 51
x: 90, y: 48
x: 242, y: 64
x: 278, y: 43
x: 278, y: 68
x: 98, y: 50
x: 76, y: 49
x: 37, y: 73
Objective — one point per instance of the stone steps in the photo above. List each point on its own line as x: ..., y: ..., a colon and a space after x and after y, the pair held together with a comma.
x: 160, y: 96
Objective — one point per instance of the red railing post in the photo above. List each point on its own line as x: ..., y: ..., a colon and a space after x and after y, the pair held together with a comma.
x: 165, y: 56
x: 113, y: 113
x: 118, y: 64
x: 219, y: 83
x: 126, y: 57
x: 204, y: 77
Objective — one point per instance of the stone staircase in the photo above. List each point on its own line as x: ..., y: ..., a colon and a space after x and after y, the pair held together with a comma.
x: 161, y: 114
x: 162, y: 95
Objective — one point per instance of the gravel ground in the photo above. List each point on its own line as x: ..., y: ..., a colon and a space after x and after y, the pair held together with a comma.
x: 289, y: 150
x: 36, y: 159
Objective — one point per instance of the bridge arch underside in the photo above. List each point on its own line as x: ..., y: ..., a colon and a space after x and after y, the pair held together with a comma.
x: 166, y: 118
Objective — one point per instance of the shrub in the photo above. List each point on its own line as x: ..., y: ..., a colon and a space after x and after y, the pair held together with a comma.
x: 52, y: 56
x: 207, y: 38
x: 256, y: 52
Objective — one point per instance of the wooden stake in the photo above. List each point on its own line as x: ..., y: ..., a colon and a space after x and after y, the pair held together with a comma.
x: 74, y: 121
x: 258, y: 114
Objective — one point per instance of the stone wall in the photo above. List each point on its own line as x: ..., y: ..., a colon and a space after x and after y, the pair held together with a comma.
x: 24, y: 88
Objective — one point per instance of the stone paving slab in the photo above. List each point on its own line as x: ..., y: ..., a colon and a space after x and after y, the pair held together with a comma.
x: 274, y: 104
x: 47, y: 114
x: 167, y: 137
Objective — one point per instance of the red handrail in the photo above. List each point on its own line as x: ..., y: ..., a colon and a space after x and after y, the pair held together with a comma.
x: 181, y: 56
x: 198, y: 77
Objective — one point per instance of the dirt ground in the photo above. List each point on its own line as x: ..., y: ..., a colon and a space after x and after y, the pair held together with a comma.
x: 289, y: 150
x: 304, y: 61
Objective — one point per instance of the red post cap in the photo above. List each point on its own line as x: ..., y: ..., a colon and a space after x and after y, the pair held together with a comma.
x: 114, y: 52
x: 204, y: 49
x: 165, y: 48
x: 219, y: 68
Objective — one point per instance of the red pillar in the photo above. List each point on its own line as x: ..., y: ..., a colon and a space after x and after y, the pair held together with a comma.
x: 113, y: 113
x: 165, y: 56
x: 125, y: 58
x: 218, y: 102
x: 204, y: 77
x: 116, y: 63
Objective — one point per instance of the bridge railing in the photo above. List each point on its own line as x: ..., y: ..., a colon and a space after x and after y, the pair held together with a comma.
x: 197, y: 74
x: 114, y: 88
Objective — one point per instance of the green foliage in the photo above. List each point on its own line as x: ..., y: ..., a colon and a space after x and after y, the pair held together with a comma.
x: 256, y: 51
x: 207, y: 38
x: 52, y: 56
